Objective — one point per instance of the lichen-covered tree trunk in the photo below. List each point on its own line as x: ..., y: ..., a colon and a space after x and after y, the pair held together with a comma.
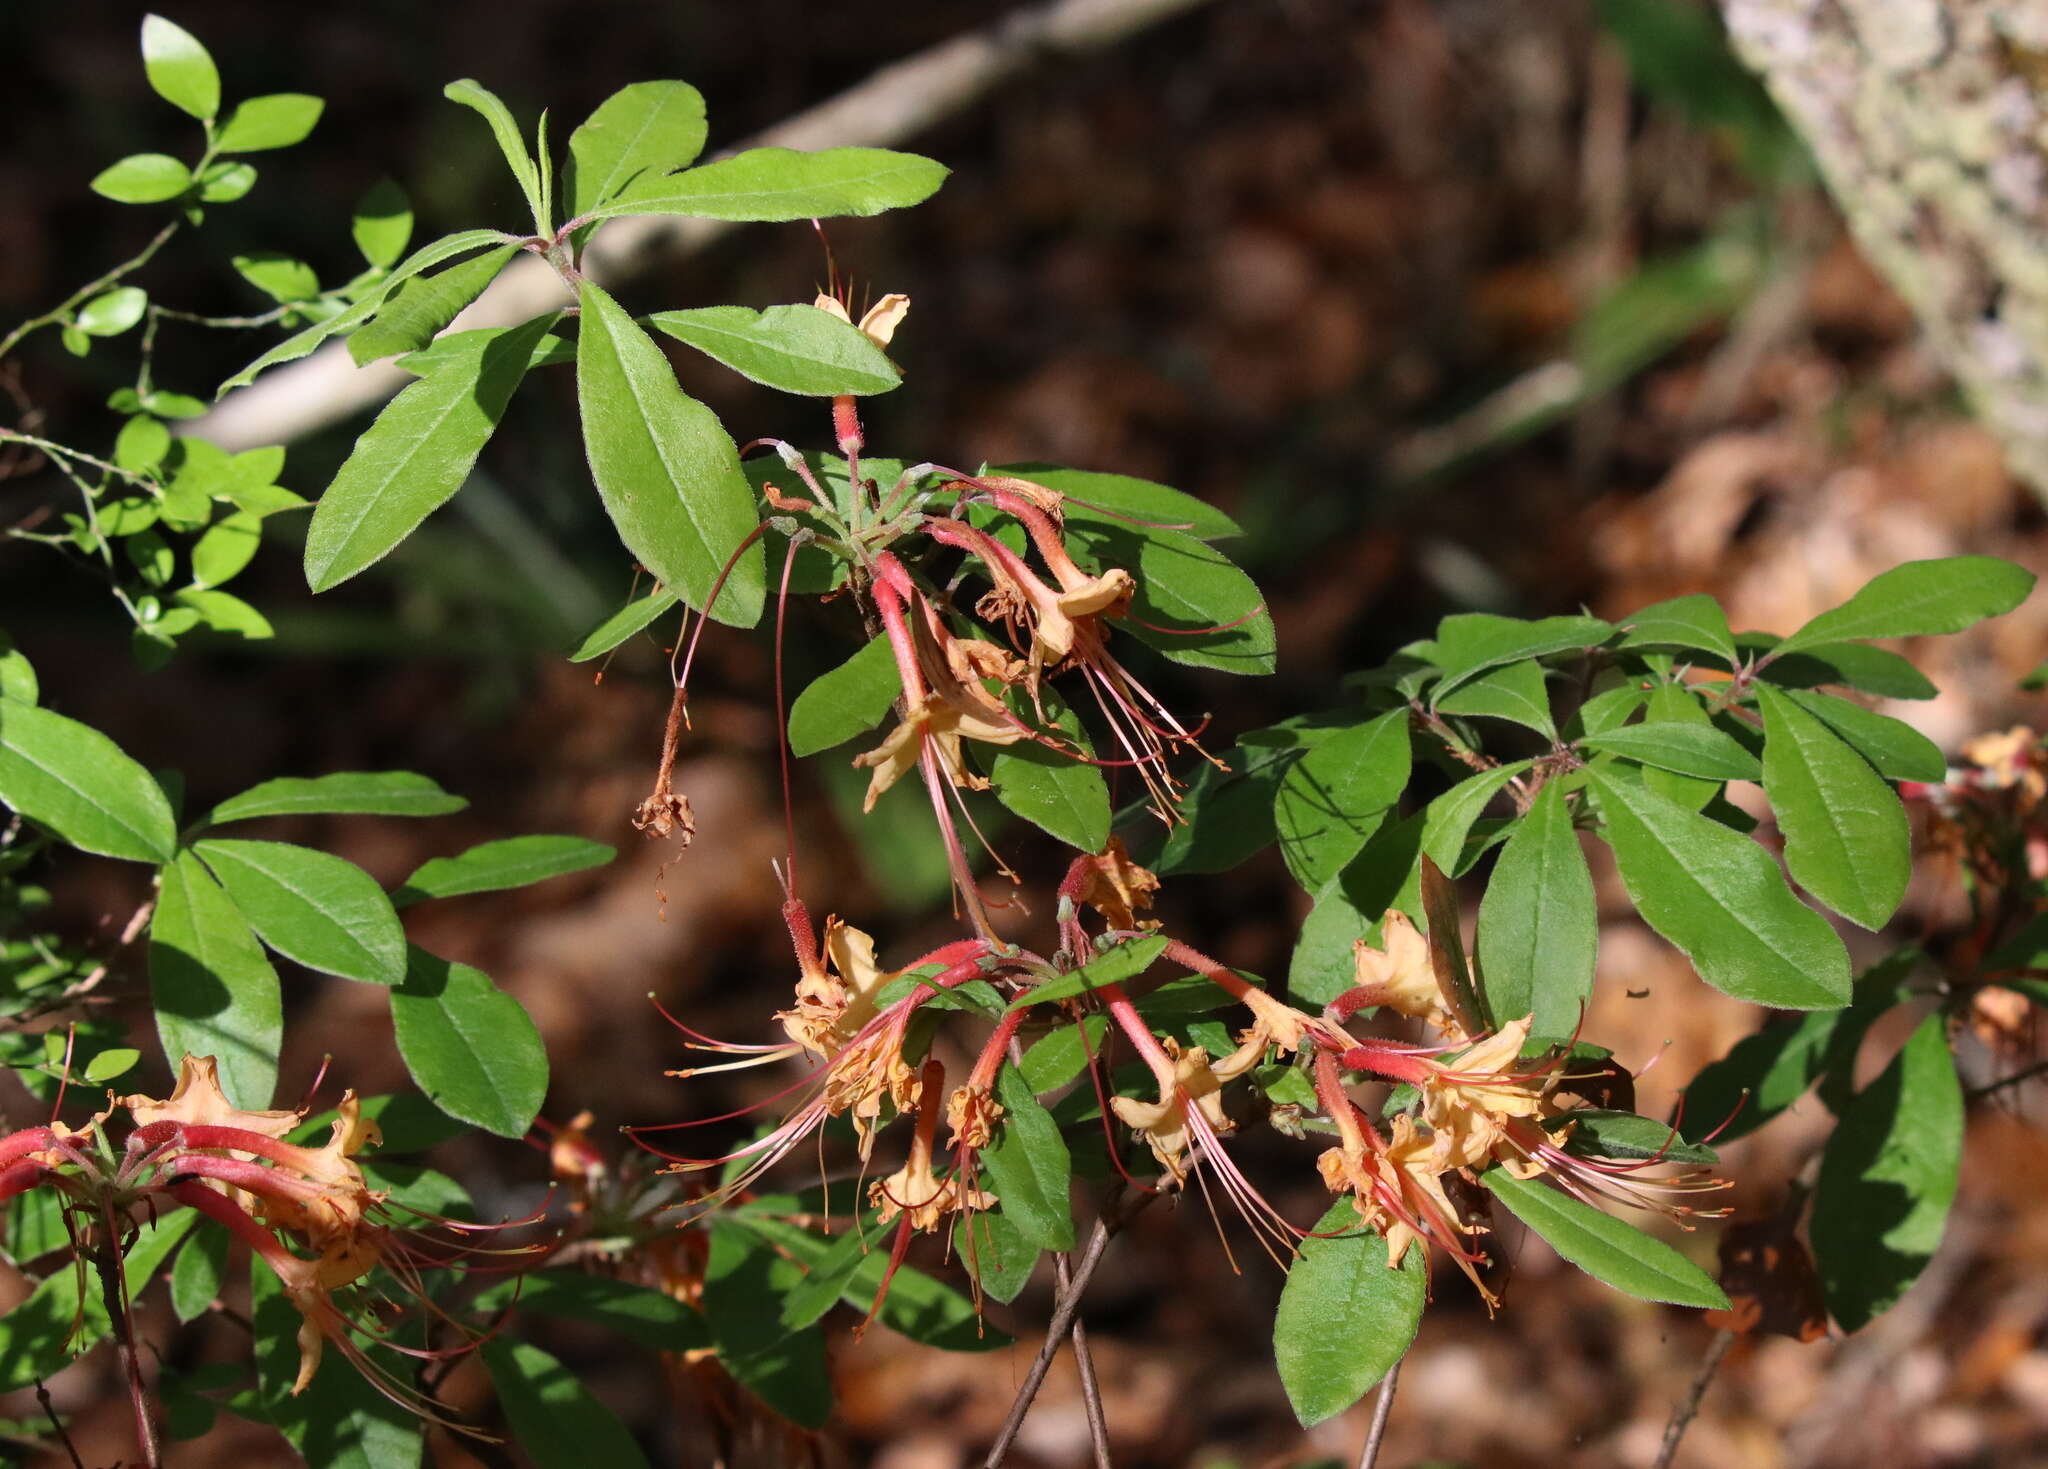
x: 1929, y: 119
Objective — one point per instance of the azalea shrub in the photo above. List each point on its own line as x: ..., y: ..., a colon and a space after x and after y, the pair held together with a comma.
x: 1004, y: 627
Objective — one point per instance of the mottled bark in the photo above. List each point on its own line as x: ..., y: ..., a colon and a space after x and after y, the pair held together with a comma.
x: 1929, y: 119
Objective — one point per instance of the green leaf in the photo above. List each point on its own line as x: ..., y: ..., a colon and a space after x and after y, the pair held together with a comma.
x: 1899, y: 751
x: 1058, y: 1057
x: 489, y: 867
x: 996, y: 1253
x: 112, y: 312
x: 420, y: 308
x: 785, y: 1369
x: 179, y: 69
x: 1602, y: 1246
x: 1920, y: 599
x: 793, y: 349
x: 1345, y: 1317
x: 312, y: 907
x: 1192, y: 604
x: 340, y: 1421
x: 1472, y: 642
x: 1695, y: 622
x: 108, y: 1064
x: 472, y: 1048
x: 417, y: 454
x: 1887, y: 1178
x: 213, y: 990
x: 409, y: 1122
x: 294, y: 347
x: 637, y: 134
x: 1856, y: 665
x: 350, y: 792
x: 1597, y: 1132
x: 276, y: 121
x: 472, y: 94
x: 1117, y: 965
x: 1680, y: 745
x: 1121, y: 500
x: 1337, y: 794
x: 1846, y: 837
x: 923, y: 1309
x: 669, y: 476
x: 382, y: 224
x: 640, y: 1313
x: 1451, y: 815
x: 57, y: 1322
x: 142, y: 178
x: 224, y: 183
x: 1514, y: 692
x: 1226, y: 814
x: 622, y: 624
x: 72, y: 779
x: 18, y: 682
x: 1029, y: 1166
x: 1722, y: 900
x: 1539, y: 928
x: 778, y: 184
x: 1762, y: 1075
x: 1058, y: 793
x: 201, y: 1268
x: 845, y: 701
x: 551, y: 1414
x: 1387, y: 874
x: 226, y: 548
x: 224, y: 612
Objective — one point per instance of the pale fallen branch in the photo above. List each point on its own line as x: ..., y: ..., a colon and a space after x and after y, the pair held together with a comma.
x: 895, y: 104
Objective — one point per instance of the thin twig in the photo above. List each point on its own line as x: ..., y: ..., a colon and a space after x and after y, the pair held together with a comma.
x: 1382, y: 1410
x: 1062, y: 1322
x: 1689, y: 1406
x: 2024, y: 1074
x: 1084, y: 1363
x: 91, y: 288
x: 63, y: 1433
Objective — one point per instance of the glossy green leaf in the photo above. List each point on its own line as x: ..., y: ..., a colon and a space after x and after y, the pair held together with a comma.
x: 640, y: 1313
x: 1451, y: 815
x: 793, y: 349
x: 224, y: 183
x: 112, y: 312
x: 1671, y: 703
x: 340, y: 1421
x: 312, y: 907
x: 1762, y: 1075
x: 1122, y: 500
x: 845, y: 701
x: 143, y: 178
x: 1694, y: 622
x: 1599, y: 1132
x: 1920, y: 599
x: 926, y: 1310
x: 294, y: 347
x: 1119, y: 964
x: 1681, y: 746
x: 1336, y: 796
x: 1469, y: 643
x: 1722, y: 900
x: 669, y: 476
x: 779, y: 184
x: 1029, y: 1167
x: 1226, y: 814
x: 1846, y: 837
x: 280, y: 277
x: 417, y: 454
x: 1515, y: 692
x: 512, y: 862
x: 212, y: 987
x: 18, y: 682
x: 996, y: 1254
x: 381, y: 224
x: 1192, y: 603
x: 552, y: 1415
x: 1602, y: 1246
x: 227, y: 547
x: 1887, y: 1178
x: 351, y: 792
x: 635, y: 136
x: 473, y: 95
x: 224, y: 612
x: 1057, y: 792
x: 784, y: 1368
x: 1539, y: 927
x: 622, y: 624
x: 1345, y: 1316
x: 423, y: 306
x: 1856, y: 665
x: 178, y: 67
x: 1386, y: 874
x: 276, y: 121
x: 1056, y: 1058
x: 1899, y: 751
x: 72, y: 779
x: 471, y: 1047
x: 199, y: 1272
